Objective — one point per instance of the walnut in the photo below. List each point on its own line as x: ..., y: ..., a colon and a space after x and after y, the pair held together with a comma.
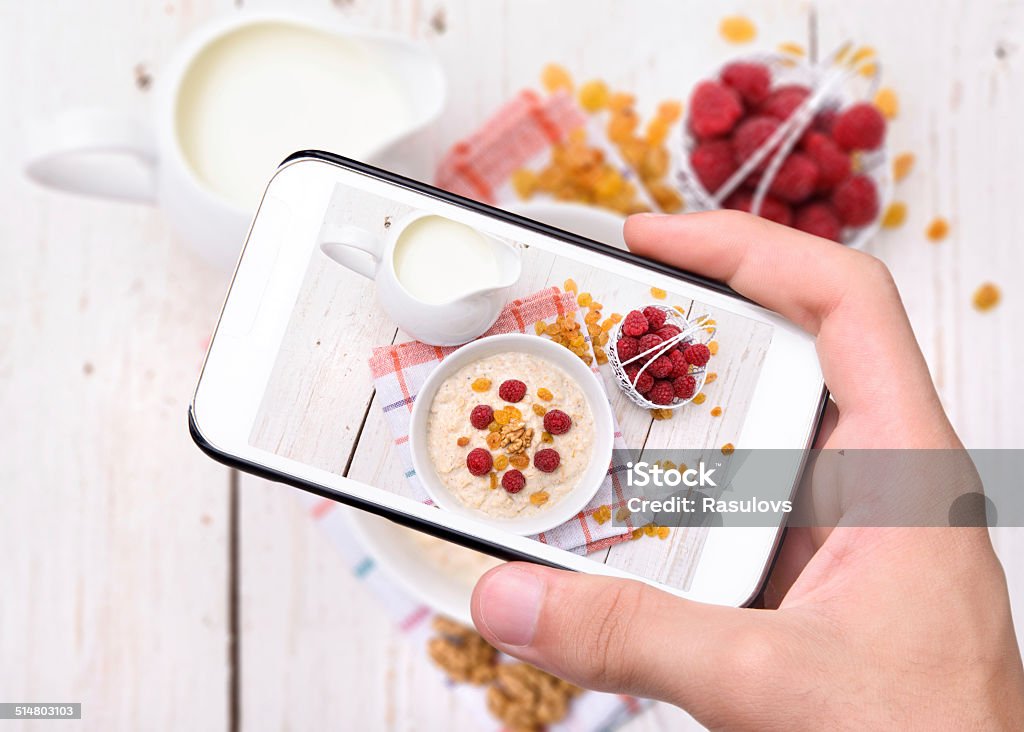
x: 516, y: 437
x: 461, y: 652
x: 525, y: 698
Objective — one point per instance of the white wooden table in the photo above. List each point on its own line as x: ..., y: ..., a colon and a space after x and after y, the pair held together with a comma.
x: 141, y: 579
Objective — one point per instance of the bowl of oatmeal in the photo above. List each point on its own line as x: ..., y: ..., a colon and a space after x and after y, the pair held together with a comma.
x: 512, y: 430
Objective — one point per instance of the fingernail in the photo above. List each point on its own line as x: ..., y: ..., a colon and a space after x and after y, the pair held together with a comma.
x: 510, y: 605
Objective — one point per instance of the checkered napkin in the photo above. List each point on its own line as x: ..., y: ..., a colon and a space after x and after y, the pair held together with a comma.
x: 591, y: 711
x: 400, y: 371
x: 527, y: 125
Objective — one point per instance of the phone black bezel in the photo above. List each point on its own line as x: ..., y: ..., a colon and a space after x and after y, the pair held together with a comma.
x: 443, y: 532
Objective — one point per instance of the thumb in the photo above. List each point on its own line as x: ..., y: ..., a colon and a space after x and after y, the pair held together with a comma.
x: 624, y: 636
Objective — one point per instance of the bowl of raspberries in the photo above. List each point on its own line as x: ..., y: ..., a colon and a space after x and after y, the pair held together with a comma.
x: 660, y: 358
x: 787, y: 141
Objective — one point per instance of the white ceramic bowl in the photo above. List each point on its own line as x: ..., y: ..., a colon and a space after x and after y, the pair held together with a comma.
x: 593, y: 391
x: 399, y: 553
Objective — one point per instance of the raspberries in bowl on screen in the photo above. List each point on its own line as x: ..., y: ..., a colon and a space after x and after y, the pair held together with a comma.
x: 660, y: 357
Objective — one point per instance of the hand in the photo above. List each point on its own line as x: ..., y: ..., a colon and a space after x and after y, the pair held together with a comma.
x: 874, y: 627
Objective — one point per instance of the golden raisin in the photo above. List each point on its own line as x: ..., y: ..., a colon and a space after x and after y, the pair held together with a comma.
x: 596, y: 306
x: 650, y: 530
x: 622, y: 514
x: 462, y: 441
x: 481, y: 384
x: 699, y: 399
x: 728, y: 448
x: 592, y: 317
x: 555, y: 77
x: 584, y: 299
x: 894, y: 215
x: 519, y: 461
x: 710, y: 377
x: 502, y: 417
x: 713, y: 347
x: 637, y: 533
x: 902, y: 165
x: 545, y: 394
x: 679, y: 309
x: 616, y: 317
x: 513, y: 413
x: 501, y: 462
x: 494, y: 440
x: 861, y: 54
x: 658, y: 293
x: 663, y: 532
x: 539, y: 327
x: 602, y: 514
x: 737, y: 29
x: 539, y: 498
x: 594, y: 95
x: 494, y: 480
x: 570, y: 285
x: 793, y: 49
x: 525, y: 183
x: 545, y: 436
x: 493, y: 426
x: 937, y: 229
x: 987, y: 296
x: 716, y: 411
x: 539, y: 410
x: 887, y: 102
x: 600, y: 355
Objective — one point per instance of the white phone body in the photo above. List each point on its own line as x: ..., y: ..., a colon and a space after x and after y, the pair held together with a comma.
x: 783, y: 411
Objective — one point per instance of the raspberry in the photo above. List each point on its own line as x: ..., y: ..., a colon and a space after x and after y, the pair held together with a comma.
x: 661, y: 367
x: 782, y: 102
x: 713, y: 163
x: 642, y: 384
x: 655, y: 317
x: 820, y: 219
x: 751, y: 81
x: 668, y: 331
x: 627, y: 348
x: 833, y: 164
x: 513, y: 481
x: 648, y: 342
x: 557, y: 422
x: 752, y: 133
x: 512, y: 390
x: 795, y: 179
x: 481, y: 416
x: 662, y: 392
x: 546, y: 460
x: 680, y: 366
x: 635, y: 323
x: 824, y: 120
x: 479, y: 461
x: 856, y: 201
x: 684, y: 386
x: 859, y: 127
x: 714, y: 109
x: 697, y: 353
x: 771, y: 208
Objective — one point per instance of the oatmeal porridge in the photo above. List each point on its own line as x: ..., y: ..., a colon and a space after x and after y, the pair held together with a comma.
x: 510, y: 435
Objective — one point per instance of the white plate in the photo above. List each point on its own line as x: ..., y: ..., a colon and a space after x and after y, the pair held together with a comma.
x: 593, y: 392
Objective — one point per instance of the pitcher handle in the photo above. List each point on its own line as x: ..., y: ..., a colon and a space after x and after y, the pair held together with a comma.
x: 97, y: 153
x: 352, y: 247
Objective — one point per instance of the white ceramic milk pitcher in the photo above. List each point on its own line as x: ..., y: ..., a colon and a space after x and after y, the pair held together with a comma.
x: 238, y: 96
x: 443, y: 282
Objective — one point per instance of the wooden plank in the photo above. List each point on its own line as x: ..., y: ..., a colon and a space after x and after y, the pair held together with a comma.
x: 115, y: 528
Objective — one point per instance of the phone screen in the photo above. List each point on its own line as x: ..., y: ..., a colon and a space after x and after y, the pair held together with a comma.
x: 511, y: 436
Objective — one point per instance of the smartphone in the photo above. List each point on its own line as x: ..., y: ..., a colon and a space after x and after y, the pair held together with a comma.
x: 335, y: 368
